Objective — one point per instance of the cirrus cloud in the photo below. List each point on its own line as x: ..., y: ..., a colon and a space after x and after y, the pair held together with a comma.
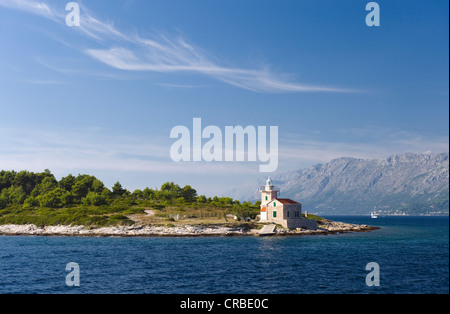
x: 163, y: 53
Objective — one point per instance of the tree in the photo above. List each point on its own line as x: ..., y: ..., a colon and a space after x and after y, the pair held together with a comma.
x: 42, y: 175
x: 107, y: 194
x: 97, y: 185
x: 47, y: 185
x: 201, y: 199
x: 67, y: 183
x: 245, y: 210
x: 171, y: 187
x: 148, y: 193
x: 14, y: 195
x: 95, y: 199
x: 30, y: 202
x: 3, y: 202
x: 82, y: 186
x: 118, y: 190
x: 189, y: 194
x: 25, y: 179
x: 6, y: 179
x: 54, y: 199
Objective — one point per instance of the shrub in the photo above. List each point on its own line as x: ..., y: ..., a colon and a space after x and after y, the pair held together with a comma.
x: 30, y: 202
x: 3, y: 202
x: 118, y: 217
x: 54, y: 199
x: 95, y: 199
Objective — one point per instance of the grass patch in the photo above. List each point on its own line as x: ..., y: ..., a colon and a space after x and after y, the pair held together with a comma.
x: 87, y: 216
x: 314, y: 217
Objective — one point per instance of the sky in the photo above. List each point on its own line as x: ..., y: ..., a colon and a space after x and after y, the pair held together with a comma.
x: 102, y: 98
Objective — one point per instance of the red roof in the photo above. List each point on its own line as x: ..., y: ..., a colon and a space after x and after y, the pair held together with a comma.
x: 287, y: 201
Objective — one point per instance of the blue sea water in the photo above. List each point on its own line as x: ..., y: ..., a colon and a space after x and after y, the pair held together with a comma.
x: 412, y: 253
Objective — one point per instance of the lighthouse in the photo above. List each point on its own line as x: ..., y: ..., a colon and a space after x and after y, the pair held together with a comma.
x: 282, y: 211
x: 268, y: 192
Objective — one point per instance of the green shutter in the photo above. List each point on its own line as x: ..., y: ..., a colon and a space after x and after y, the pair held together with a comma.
x: 274, y: 204
x: 287, y: 214
x: 274, y: 214
x: 266, y: 197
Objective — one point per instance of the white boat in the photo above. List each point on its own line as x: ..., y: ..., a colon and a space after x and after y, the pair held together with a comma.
x: 373, y: 213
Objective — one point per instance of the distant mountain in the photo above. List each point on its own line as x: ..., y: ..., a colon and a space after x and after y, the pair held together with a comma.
x: 400, y: 184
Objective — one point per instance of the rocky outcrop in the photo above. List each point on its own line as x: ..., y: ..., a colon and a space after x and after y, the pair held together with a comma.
x: 336, y: 226
x: 122, y: 231
x: 328, y: 227
x: 325, y: 227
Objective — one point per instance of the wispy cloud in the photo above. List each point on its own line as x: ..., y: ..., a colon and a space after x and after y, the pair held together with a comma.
x: 179, y: 86
x: 92, y: 149
x: 43, y: 82
x: 34, y: 7
x: 175, y: 55
x: 164, y: 54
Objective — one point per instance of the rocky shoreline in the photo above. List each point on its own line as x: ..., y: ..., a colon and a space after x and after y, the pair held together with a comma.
x: 325, y: 227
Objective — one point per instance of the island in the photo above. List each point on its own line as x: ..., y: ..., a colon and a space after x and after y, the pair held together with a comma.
x: 39, y: 204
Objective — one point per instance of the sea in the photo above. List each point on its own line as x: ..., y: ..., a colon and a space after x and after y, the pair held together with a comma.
x: 407, y: 255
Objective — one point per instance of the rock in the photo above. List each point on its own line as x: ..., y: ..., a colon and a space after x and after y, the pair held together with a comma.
x: 181, y: 230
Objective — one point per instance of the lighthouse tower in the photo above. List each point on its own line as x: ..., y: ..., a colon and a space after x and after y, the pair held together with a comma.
x: 268, y: 192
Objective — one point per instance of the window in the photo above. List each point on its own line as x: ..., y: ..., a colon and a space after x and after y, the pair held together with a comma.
x: 266, y: 197
x: 287, y: 213
x: 274, y: 204
x: 274, y: 214
x: 296, y: 214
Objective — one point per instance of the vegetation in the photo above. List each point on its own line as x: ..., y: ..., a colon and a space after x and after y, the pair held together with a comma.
x: 40, y: 199
x: 314, y: 217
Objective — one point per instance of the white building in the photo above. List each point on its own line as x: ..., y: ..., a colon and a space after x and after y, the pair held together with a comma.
x: 283, y: 211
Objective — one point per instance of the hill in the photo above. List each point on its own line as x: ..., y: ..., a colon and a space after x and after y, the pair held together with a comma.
x: 413, y: 184
x: 40, y: 199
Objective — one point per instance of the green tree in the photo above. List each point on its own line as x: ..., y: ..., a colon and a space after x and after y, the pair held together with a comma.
x: 148, y: 193
x: 42, y: 175
x: 67, y: 183
x: 6, y: 179
x: 171, y: 187
x: 138, y: 193
x: 14, y: 195
x: 107, y: 194
x: 48, y: 184
x: 243, y: 211
x: 118, y: 190
x: 97, y: 185
x: 226, y: 201
x: 27, y: 180
x: 189, y: 194
x: 95, y: 199
x: 82, y: 186
x: 202, y: 199
x: 56, y: 198
x: 30, y: 202
x: 3, y: 202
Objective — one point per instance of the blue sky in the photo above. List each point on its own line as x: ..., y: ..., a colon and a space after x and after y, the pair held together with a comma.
x: 102, y: 98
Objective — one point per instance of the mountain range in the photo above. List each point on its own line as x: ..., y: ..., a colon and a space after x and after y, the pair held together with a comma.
x: 410, y: 183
